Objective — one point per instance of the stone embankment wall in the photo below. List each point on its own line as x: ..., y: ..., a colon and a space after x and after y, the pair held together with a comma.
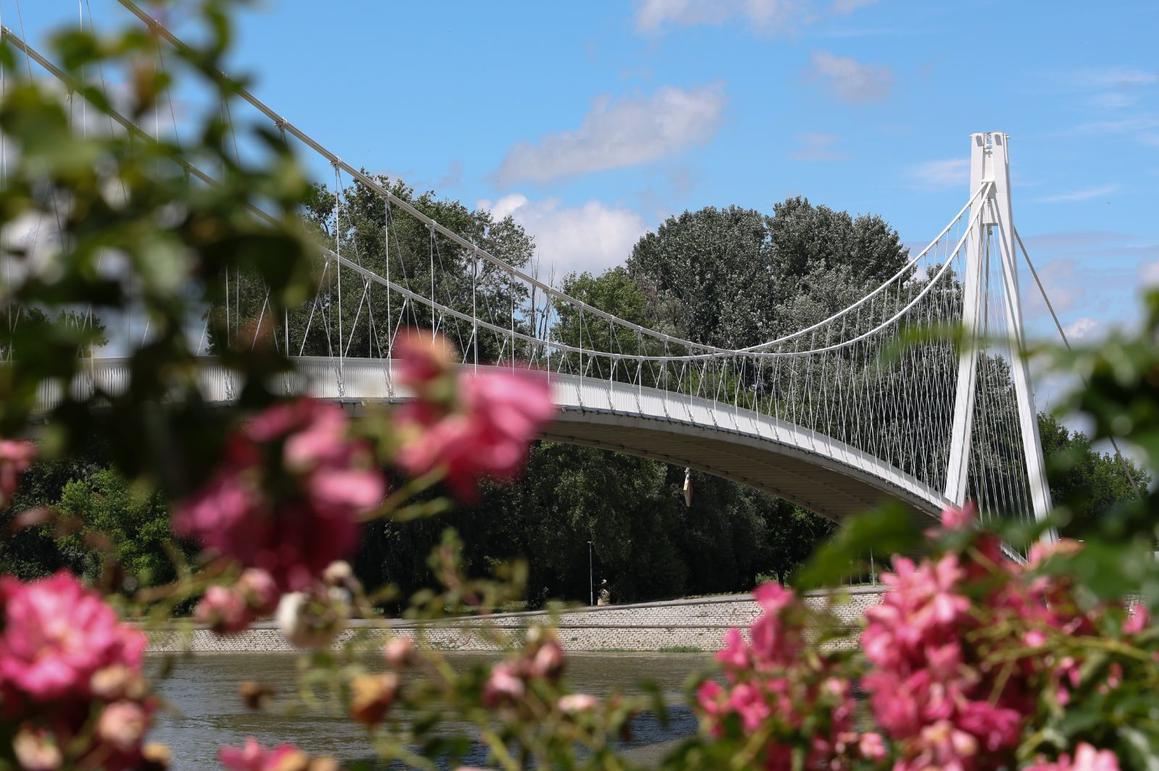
x: 676, y: 625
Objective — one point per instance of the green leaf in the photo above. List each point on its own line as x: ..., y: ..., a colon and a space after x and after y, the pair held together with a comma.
x: 890, y: 529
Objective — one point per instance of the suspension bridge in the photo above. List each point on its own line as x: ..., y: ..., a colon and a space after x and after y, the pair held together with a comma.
x: 861, y: 406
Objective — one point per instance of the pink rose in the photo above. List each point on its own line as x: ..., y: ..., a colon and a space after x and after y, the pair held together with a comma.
x: 260, y: 592
x: 222, y: 610
x: 423, y: 358
x: 228, y: 610
x: 548, y: 661
x: 747, y: 701
x: 1086, y: 758
x: 777, y: 692
x: 497, y: 415
x: 252, y: 756
x: 735, y: 652
x: 57, y: 634
x: 954, y: 518
x: 871, y: 746
x: 1138, y: 619
x: 772, y: 597
x: 293, y: 511
x: 503, y: 685
x: 708, y: 696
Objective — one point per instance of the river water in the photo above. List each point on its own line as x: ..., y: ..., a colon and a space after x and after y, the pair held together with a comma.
x: 205, y: 689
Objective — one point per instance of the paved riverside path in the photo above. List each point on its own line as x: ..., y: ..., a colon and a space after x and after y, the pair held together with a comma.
x: 696, y: 624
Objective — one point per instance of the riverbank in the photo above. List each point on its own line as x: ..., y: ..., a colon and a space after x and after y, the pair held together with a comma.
x: 683, y: 626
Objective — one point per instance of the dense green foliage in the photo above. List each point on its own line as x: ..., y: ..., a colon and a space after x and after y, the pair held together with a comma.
x: 90, y: 516
x: 736, y: 277
x: 135, y: 522
x: 1083, y: 481
x: 645, y: 542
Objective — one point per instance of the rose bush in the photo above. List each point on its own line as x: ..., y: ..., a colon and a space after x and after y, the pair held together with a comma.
x: 972, y: 660
x: 70, y: 678
x: 288, y: 494
x: 960, y: 664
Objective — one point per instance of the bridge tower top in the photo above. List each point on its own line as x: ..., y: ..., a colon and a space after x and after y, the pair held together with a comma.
x: 990, y: 191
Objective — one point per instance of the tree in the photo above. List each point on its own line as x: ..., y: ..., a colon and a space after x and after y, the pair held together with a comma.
x: 1083, y: 480
x: 33, y: 552
x: 735, y: 277
x: 359, y: 224
x: 805, y: 237
x: 130, y: 525
x: 713, y: 271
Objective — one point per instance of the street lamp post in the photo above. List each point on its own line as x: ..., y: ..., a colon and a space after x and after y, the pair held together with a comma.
x: 591, y: 579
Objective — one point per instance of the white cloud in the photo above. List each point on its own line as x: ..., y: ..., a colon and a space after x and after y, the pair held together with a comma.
x: 1119, y: 125
x: 954, y: 172
x: 1076, y: 196
x: 851, y: 81
x: 1083, y: 329
x: 1089, y: 241
x: 615, y: 135
x: 1062, y: 283
x: 1149, y: 274
x: 1116, y: 77
x: 1141, y: 128
x: 845, y: 7
x: 817, y: 146
x: 1114, y: 100
x: 765, y: 15
x: 453, y: 176
x: 591, y: 237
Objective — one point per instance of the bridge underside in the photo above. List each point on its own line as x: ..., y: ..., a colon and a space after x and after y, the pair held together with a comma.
x: 820, y: 485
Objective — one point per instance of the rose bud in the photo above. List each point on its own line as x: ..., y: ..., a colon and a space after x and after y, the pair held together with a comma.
x: 312, y: 619
x: 577, y: 702
x: 122, y: 725
x: 155, y: 757
x: 503, y: 685
x: 399, y: 652
x: 255, y: 695
x: 36, y: 750
x: 371, y: 697
x: 548, y: 661
x: 118, y: 682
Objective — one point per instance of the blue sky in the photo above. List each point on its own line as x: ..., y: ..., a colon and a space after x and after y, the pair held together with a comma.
x: 591, y: 122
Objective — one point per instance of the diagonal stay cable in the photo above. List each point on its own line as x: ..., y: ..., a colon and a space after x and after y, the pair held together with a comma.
x: 329, y: 254
x: 285, y: 125
x: 1066, y: 342
x: 903, y: 271
x: 282, y: 123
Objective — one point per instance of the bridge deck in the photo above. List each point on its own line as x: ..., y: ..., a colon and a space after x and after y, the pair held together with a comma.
x: 828, y: 477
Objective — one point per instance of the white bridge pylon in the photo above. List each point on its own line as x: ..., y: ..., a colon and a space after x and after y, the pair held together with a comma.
x: 861, y: 404
x: 990, y: 172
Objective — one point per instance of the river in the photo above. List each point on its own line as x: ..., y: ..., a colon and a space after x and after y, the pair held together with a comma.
x: 205, y: 689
